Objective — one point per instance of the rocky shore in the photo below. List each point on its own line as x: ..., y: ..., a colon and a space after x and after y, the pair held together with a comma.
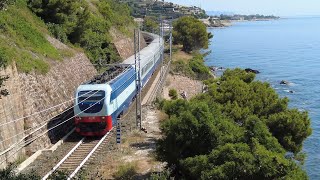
x: 214, y: 23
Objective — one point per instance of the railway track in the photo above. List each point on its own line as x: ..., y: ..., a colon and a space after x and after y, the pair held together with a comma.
x: 79, y: 155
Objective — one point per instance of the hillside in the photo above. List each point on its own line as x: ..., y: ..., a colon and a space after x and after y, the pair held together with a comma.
x: 85, y: 24
x: 23, y: 40
x: 47, y: 50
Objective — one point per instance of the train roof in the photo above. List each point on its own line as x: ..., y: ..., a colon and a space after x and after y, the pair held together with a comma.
x: 90, y: 87
x: 155, y: 43
x: 112, y: 73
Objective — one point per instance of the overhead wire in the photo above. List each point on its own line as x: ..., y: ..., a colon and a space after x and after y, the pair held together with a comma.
x: 38, y: 136
x: 36, y: 113
x: 34, y: 138
x: 38, y: 128
x: 13, y: 107
x: 7, y: 150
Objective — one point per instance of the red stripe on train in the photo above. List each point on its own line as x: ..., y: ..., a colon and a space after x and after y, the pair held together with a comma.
x: 93, y: 119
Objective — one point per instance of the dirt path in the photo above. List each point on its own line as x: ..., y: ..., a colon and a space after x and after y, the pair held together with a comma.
x: 182, y: 83
x: 137, y: 149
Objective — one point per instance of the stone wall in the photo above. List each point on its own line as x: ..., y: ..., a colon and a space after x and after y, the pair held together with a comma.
x: 11, y: 108
x: 125, y: 45
x: 32, y: 93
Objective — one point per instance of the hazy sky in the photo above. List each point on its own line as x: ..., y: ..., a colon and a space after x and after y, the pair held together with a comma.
x: 276, y: 7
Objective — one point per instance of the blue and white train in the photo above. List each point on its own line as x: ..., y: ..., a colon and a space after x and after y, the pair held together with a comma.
x: 101, y: 101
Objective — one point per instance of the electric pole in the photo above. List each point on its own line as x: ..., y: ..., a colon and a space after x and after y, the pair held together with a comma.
x: 137, y: 65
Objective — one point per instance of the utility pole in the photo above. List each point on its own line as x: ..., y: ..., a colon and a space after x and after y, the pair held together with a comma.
x: 160, y: 28
x: 137, y: 65
x: 170, y: 26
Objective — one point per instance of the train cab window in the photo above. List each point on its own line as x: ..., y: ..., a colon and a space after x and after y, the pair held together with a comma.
x: 91, y: 101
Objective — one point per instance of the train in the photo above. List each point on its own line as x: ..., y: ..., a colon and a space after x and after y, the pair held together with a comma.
x: 102, y: 100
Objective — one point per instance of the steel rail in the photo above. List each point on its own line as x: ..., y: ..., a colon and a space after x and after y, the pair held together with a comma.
x: 63, y: 159
x: 89, y: 155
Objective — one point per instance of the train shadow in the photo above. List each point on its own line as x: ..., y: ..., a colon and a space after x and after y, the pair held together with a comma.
x: 60, y: 125
x: 150, y: 143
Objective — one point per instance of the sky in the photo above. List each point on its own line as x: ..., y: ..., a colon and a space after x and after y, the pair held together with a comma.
x: 266, y: 7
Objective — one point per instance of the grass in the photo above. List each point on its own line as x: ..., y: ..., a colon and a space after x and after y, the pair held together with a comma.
x: 22, y: 39
x: 189, y: 65
x: 178, y: 54
x: 20, y: 159
x: 126, y: 171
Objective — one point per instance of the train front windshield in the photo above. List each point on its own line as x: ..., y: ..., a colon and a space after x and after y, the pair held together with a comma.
x: 91, y: 101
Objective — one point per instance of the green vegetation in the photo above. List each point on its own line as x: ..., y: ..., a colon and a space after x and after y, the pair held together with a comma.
x: 59, y: 175
x: 194, y: 68
x: 3, y: 60
x: 181, y: 67
x: 173, y: 94
x: 239, y: 129
x: 9, y: 173
x: 150, y: 24
x: 3, y: 91
x: 238, y: 17
x: 126, y: 171
x: 121, y: 16
x: 86, y: 24
x: 198, y: 67
x: 4, y: 3
x: 191, y: 33
x: 22, y: 39
x: 164, y: 175
x: 63, y: 175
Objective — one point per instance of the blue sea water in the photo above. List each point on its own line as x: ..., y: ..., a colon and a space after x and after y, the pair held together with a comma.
x: 286, y: 49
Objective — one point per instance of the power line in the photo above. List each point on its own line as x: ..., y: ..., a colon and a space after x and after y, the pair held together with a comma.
x: 36, y: 113
x: 7, y: 150
x: 38, y: 136
x: 82, y: 65
x: 42, y: 125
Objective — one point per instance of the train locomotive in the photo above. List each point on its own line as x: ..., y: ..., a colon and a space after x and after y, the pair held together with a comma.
x: 100, y: 101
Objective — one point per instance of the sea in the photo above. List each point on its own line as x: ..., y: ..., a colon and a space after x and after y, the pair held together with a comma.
x: 286, y: 49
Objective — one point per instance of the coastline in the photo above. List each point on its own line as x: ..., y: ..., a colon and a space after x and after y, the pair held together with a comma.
x: 304, y: 85
x: 228, y: 23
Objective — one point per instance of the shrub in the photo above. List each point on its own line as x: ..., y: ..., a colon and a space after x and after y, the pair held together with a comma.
x: 173, y: 94
x: 126, y: 172
x: 150, y: 25
x: 10, y: 173
x: 238, y: 129
x: 5, y: 3
x: 58, y: 32
x: 199, y: 68
x: 164, y: 175
x: 183, y: 68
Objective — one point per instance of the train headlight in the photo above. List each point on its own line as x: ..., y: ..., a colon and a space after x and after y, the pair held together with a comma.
x: 77, y: 119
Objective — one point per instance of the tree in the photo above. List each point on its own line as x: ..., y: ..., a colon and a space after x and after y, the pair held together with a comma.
x: 191, y: 33
x: 150, y: 25
x: 239, y: 129
x: 5, y: 3
x: 74, y: 21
